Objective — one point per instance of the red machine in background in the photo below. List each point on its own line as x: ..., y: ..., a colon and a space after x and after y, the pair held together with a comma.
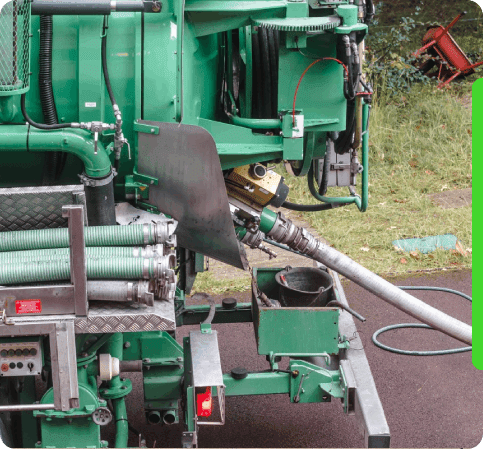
x: 445, y: 54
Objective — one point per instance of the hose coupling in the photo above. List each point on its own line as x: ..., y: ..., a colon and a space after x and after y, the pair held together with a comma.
x: 165, y: 276
x: 164, y: 232
x: 255, y: 240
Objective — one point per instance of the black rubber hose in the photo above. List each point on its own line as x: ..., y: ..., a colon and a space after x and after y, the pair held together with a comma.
x: 273, y: 54
x: 40, y: 125
x: 105, y: 70
x: 307, y: 207
x: 257, y: 78
x: 54, y: 161
x: 313, y: 191
x: 100, y: 204
x: 266, y: 73
x: 45, y: 71
x: 324, y: 183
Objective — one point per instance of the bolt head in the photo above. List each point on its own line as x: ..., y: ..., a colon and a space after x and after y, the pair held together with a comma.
x: 127, y: 345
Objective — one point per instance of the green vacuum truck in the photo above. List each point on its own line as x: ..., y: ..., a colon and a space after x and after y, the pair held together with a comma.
x: 139, y: 137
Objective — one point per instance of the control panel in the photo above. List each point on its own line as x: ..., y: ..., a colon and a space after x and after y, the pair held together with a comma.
x: 20, y: 358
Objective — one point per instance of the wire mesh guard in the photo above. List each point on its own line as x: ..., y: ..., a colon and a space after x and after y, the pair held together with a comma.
x: 14, y: 46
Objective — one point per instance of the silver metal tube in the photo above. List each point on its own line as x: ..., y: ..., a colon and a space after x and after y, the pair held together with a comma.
x: 26, y: 407
x: 392, y: 294
x: 299, y: 239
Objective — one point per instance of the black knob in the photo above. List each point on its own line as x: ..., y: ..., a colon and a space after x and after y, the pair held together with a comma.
x: 18, y: 352
x: 229, y: 303
x: 33, y: 351
x: 239, y: 373
x: 20, y: 365
x: 25, y: 352
x: 4, y: 353
x: 12, y: 365
x: 11, y: 352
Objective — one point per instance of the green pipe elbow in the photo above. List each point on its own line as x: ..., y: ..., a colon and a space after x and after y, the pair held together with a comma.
x: 21, y: 138
x: 74, y: 142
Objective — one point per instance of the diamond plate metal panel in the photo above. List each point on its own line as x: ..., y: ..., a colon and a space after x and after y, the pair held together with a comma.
x: 24, y: 208
x: 103, y: 317
x: 106, y: 317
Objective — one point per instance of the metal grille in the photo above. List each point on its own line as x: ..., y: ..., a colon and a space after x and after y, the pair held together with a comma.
x: 14, y: 45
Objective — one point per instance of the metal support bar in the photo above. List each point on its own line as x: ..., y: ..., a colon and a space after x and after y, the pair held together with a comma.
x: 367, y: 405
x: 63, y: 357
x: 26, y: 407
x: 75, y: 214
x: 257, y: 384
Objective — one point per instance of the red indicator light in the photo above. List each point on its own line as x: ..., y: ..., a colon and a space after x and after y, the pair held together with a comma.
x: 28, y: 306
x: 204, y: 402
x: 4, y: 367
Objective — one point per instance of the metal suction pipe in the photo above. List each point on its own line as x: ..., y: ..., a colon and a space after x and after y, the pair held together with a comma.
x: 140, y: 292
x: 299, y: 239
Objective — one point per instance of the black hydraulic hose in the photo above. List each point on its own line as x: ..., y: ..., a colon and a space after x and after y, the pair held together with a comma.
x: 324, y: 183
x: 105, y: 70
x: 266, y: 78
x: 307, y: 207
x: 313, y: 191
x: 40, y: 125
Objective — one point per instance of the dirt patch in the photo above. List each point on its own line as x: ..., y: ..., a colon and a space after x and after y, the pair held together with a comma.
x: 453, y: 199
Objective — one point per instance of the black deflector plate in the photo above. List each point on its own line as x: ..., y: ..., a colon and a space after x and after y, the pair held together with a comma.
x: 191, y: 189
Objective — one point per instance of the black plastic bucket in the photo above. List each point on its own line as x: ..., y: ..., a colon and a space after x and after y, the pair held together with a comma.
x: 305, y: 287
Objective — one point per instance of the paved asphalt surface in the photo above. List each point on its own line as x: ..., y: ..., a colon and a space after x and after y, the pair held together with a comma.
x: 432, y: 402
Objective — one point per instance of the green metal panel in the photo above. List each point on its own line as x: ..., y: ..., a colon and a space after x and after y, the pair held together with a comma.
x: 321, y: 93
x: 292, y: 330
x: 82, y: 431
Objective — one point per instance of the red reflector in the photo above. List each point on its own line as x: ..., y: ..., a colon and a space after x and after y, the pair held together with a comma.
x: 28, y: 306
x: 204, y: 403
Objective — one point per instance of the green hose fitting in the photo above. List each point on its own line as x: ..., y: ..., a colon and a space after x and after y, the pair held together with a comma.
x: 77, y: 142
x: 267, y: 220
x: 143, y: 234
x: 49, y: 271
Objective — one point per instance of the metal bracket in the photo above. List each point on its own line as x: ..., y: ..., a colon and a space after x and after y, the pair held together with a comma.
x: 56, y: 299
x: 78, y: 271
x: 349, y: 386
x: 146, y: 129
x: 63, y: 358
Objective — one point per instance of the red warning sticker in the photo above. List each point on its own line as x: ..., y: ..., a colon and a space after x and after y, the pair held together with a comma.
x: 28, y: 306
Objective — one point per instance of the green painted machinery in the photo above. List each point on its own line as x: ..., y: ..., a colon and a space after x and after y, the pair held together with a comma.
x: 138, y: 137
